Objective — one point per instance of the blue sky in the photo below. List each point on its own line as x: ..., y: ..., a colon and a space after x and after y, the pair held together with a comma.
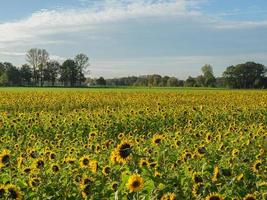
x: 135, y: 37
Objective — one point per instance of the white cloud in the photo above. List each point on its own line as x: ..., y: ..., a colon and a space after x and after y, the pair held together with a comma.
x: 39, y: 25
x: 47, y: 22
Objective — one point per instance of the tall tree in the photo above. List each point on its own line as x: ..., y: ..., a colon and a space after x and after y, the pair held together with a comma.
x: 32, y: 57
x: 69, y: 73
x: 26, y: 74
x: 38, y: 59
x: 51, y: 72
x: 209, y: 79
x: 13, y: 74
x: 3, y: 75
x: 43, y: 59
x: 82, y: 62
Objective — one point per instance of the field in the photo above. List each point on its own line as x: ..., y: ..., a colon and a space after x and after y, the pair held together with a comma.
x: 140, y: 144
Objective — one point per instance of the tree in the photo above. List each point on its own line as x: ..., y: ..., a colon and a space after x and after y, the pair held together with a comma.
x: 3, y: 75
x: 32, y: 57
x: 172, y: 82
x: 164, y: 81
x: 26, y: 74
x: 101, y: 81
x: 37, y: 58
x: 246, y: 75
x: 82, y: 62
x: 69, y: 72
x: 209, y: 79
x: 200, y: 81
x: 51, y: 72
x: 190, y: 82
x: 43, y: 59
x: 13, y: 74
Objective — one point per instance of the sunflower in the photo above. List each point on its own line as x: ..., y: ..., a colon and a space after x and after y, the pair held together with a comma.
x: 235, y: 152
x: 106, y: 170
x: 135, y: 183
x: 39, y: 163
x: 123, y: 152
x: 256, y: 166
x: 34, y: 182
x: 168, y: 196
x: 4, y: 158
x: 114, y: 186
x: 27, y: 170
x: 143, y: 163
x: 157, y: 174
x: 201, y: 151
x: 13, y: 192
x: 55, y: 168
x: 157, y: 139
x: 52, y: 156
x: 250, y: 197
x: 85, y: 161
x: 86, y: 191
x: 86, y: 186
x: 2, y: 191
x: 214, y: 196
x: 85, y: 181
x: 208, y: 138
x: 186, y: 155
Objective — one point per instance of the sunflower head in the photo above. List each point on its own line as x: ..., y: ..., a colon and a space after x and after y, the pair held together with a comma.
x: 85, y: 161
x: 40, y: 163
x: 34, y: 182
x: 4, y: 157
x: 2, y: 191
x: 13, y: 192
x: 214, y: 196
x: 157, y: 139
x: 55, y: 168
x: 256, y: 166
x: 143, y: 163
x: 250, y: 197
x: 135, y: 183
x: 106, y: 170
x: 168, y: 196
x: 114, y: 186
x: 123, y: 152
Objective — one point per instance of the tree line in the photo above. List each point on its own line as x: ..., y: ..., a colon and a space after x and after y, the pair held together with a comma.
x: 247, y: 75
x: 40, y: 70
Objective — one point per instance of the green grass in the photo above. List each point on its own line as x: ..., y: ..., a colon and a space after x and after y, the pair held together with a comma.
x: 108, y: 89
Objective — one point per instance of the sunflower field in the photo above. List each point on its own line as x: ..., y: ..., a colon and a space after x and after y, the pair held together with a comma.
x: 140, y: 145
